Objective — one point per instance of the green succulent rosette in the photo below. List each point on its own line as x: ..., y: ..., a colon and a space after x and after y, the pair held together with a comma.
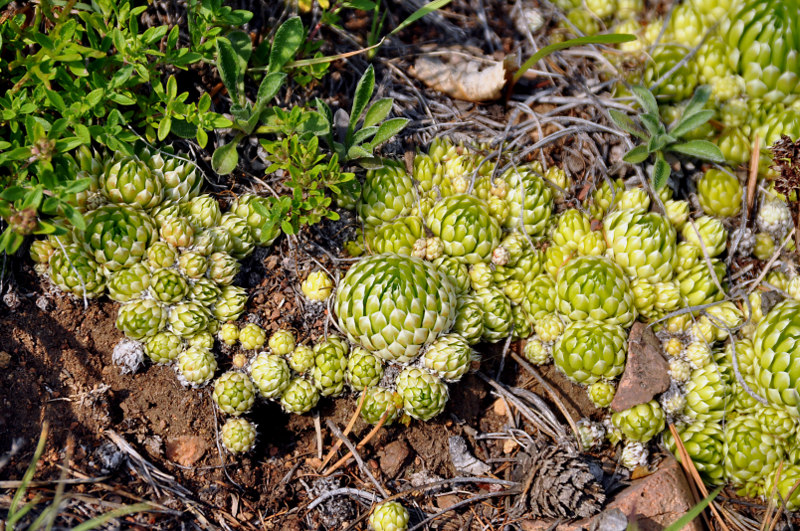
x: 705, y: 444
x: 270, y: 374
x: 465, y: 227
x: 763, y: 37
x: 117, y: 236
x: 530, y: 200
x: 392, y: 305
x: 72, y: 270
x: 641, y: 422
x: 141, y: 318
x: 594, y: 287
x: 363, y: 369
x: 424, y: 395
x: 589, y: 350
x: 299, y: 397
x: 642, y: 243
x: 449, y: 357
x: 398, y: 236
x: 387, y: 193
x: 234, y: 393
x: 776, y: 345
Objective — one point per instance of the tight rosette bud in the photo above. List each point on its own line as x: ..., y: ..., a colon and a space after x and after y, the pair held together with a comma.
x: 117, y: 236
x: 177, y: 232
x: 531, y: 202
x: 203, y: 212
x: 163, y: 347
x: 455, y: 271
x: 537, y: 352
x: 594, y: 287
x: 252, y: 336
x: 282, y: 342
x: 161, y: 254
x: 469, y: 319
x: 299, y: 397
x: 330, y: 365
x: 188, y: 318
x: 642, y: 243
x: 230, y: 304
x: 719, y: 193
x: 424, y: 395
x: 301, y: 360
x: 192, y: 264
x: 497, y: 314
x: 204, y: 291
x: 168, y: 285
x: 590, y: 350
x: 128, y: 284
x: 640, y: 423
x: 449, y: 357
x: 572, y: 225
x: 363, y: 370
x: 141, y: 318
x: 234, y: 393
x: 130, y: 181
x: 380, y: 401
x: 317, y: 286
x: 389, y: 516
x: 540, y: 297
x: 707, y: 394
x: 601, y: 393
x: 238, y: 435
x: 196, y: 366
x: 388, y: 193
x: 270, y: 374
x: 706, y: 233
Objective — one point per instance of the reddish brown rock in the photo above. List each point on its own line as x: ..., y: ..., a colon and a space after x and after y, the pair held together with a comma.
x: 393, y: 456
x: 186, y: 450
x: 646, y: 371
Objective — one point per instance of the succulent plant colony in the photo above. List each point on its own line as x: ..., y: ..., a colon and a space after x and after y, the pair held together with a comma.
x: 465, y: 250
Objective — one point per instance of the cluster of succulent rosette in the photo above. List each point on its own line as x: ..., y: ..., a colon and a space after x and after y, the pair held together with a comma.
x: 749, y: 55
x: 165, y: 252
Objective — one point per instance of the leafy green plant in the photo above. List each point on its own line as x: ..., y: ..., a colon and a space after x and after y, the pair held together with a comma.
x: 309, y: 173
x: 210, y: 19
x: 77, y: 76
x: 658, y: 140
x: 233, y: 55
x: 17, y: 511
x: 361, y: 137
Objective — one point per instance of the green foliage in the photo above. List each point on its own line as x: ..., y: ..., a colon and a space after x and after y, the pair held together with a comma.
x: 358, y: 143
x: 659, y: 140
x: 309, y: 173
x: 74, y: 78
x: 210, y: 19
x: 233, y: 55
